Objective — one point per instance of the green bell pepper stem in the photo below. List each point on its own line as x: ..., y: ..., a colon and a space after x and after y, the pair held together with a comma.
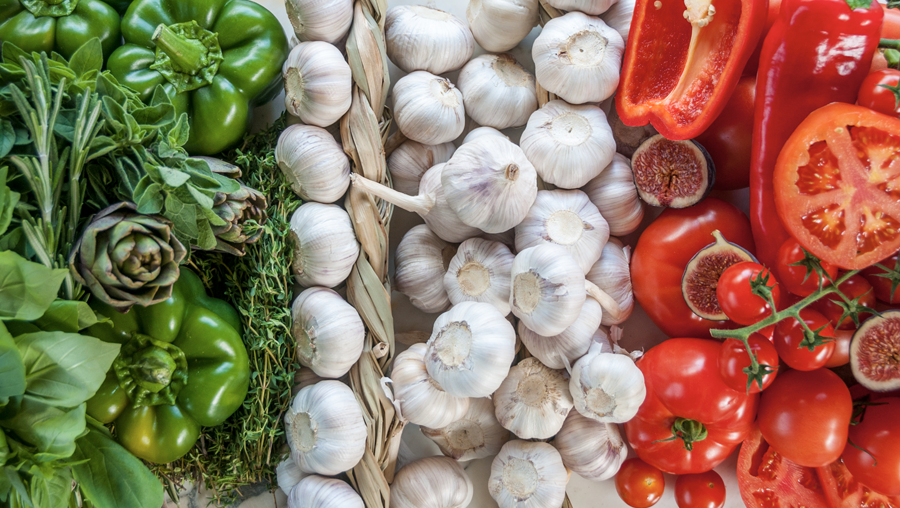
x: 153, y: 368
x: 187, y: 55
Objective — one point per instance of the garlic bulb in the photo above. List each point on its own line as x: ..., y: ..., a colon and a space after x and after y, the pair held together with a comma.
x: 612, y: 274
x: 422, y: 401
x: 313, y: 162
x: 320, y: 20
x: 483, y: 131
x: 569, y: 145
x: 430, y: 204
x: 548, y: 289
x: 325, y: 428
x: 528, y: 475
x: 288, y: 474
x: 474, y: 436
x: 566, y: 218
x: 590, y: 448
x: 317, y: 83
x: 420, y: 262
x: 497, y: 91
x: 479, y: 272
x: 411, y: 160
x: 499, y: 25
x: 320, y: 492
x: 428, y: 108
x: 325, y: 247
x: 562, y: 350
x: 420, y: 38
x: 578, y: 58
x: 432, y: 482
x: 533, y: 401
x: 328, y: 331
x: 586, y: 6
x: 618, y: 17
x: 607, y: 386
x: 614, y: 194
x: 490, y: 184
x: 470, y: 349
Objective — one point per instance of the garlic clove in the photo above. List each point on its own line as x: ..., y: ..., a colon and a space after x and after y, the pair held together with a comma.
x: 592, y: 449
x: 420, y: 262
x: 320, y: 492
x: 432, y: 482
x: 533, y: 401
x: 578, y: 57
x: 614, y: 194
x: 411, y: 160
x: 474, y: 436
x: 497, y: 91
x: 320, y: 20
x: 470, y: 349
x: 606, y: 386
x: 483, y: 131
x: 612, y: 274
x: 428, y: 108
x: 569, y: 145
x: 499, y: 25
x: 422, y: 401
x: 288, y: 474
x: 313, y: 162
x: 325, y: 246
x: 564, y: 349
x: 420, y: 38
x: 490, y: 184
x: 547, y: 291
x: 528, y: 475
x: 593, y: 7
x: 619, y: 16
x: 317, y: 83
x: 328, y: 331
x: 480, y: 272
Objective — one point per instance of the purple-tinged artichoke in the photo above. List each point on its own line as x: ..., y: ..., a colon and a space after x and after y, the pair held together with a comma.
x: 235, y: 209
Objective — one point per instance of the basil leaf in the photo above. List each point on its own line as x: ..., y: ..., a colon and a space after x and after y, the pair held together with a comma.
x: 112, y: 477
x: 51, y: 430
x: 12, y: 370
x: 7, y: 137
x: 51, y: 491
x: 26, y: 289
x: 67, y: 316
x: 8, y: 200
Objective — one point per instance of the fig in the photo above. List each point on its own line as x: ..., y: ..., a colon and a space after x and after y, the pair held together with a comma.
x: 676, y: 174
x: 701, y: 276
x: 875, y: 352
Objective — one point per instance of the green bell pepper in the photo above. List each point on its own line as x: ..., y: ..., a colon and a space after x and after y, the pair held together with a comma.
x: 59, y: 25
x: 215, y: 58
x: 182, y: 366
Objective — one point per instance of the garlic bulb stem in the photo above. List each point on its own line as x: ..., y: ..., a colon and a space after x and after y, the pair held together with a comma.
x: 608, y: 303
x: 421, y: 204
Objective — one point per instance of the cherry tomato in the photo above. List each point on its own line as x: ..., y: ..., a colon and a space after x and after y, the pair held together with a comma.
x: 639, y: 484
x: 733, y: 359
x: 794, y: 278
x: 790, y: 333
x: 841, y: 354
x: 704, y: 490
x: 882, y: 285
x: 736, y: 297
x: 890, y: 27
x: 728, y: 138
x: 854, y: 287
x: 878, y: 433
x: 874, y: 95
x: 805, y: 416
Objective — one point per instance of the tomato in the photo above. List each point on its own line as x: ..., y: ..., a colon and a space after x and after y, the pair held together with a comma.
x: 789, y: 334
x: 837, y: 185
x: 704, y: 490
x: 844, y: 491
x: 841, y: 354
x: 664, y: 250
x: 639, y: 484
x: 854, y: 287
x: 805, y: 415
x: 794, y: 278
x: 728, y: 138
x: 890, y: 27
x: 874, y: 95
x: 735, y: 295
x: 753, y: 62
x: 685, y: 393
x: 733, y: 359
x: 882, y: 285
x: 878, y: 433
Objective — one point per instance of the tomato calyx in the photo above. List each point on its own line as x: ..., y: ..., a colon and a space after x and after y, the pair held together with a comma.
x: 759, y: 286
x: 813, y: 265
x: 688, y: 431
x: 811, y: 338
x: 757, y: 375
x: 891, y: 274
x: 852, y: 308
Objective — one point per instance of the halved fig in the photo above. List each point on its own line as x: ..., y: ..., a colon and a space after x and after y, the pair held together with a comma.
x: 701, y: 276
x: 875, y: 352
x: 677, y: 174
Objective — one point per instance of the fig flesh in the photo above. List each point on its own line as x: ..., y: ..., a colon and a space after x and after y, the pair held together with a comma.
x: 676, y: 174
x: 875, y: 352
x: 701, y: 276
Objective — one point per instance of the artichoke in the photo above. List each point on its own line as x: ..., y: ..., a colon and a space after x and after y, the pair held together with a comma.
x: 235, y: 209
x: 125, y: 258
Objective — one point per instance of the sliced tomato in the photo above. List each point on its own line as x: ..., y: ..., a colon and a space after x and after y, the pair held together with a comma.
x: 768, y: 480
x: 837, y: 185
x: 843, y: 491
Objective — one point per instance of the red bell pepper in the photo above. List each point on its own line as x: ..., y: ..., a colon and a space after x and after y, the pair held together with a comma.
x: 682, y: 64
x: 817, y: 52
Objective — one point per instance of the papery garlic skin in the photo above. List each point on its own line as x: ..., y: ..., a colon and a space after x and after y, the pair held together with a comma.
x: 320, y: 20
x: 432, y: 482
x: 420, y: 262
x: 317, y: 83
x: 411, y: 160
x: 476, y: 435
x: 612, y: 274
x: 533, y: 401
x: 313, y: 162
x: 428, y: 108
x: 325, y: 428
x: 288, y: 474
x: 420, y: 38
x: 483, y: 131
x: 490, y: 184
x: 320, y: 492
x: 480, y: 272
x: 564, y: 349
x: 528, y: 475
x: 548, y: 289
x: 591, y: 449
x: 614, y: 194
x: 497, y: 91
x: 607, y: 387
x: 470, y: 349
x: 328, y: 331
x: 325, y: 246
x: 566, y: 218
x: 578, y: 58
x: 593, y: 7
x: 422, y: 401
x: 618, y: 17
x: 500, y: 25
x: 568, y: 145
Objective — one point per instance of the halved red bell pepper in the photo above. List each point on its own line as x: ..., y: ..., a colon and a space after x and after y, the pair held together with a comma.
x: 683, y: 61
